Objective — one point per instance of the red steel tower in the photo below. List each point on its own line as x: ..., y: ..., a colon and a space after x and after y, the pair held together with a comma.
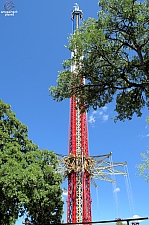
x: 79, y: 199
x: 78, y: 167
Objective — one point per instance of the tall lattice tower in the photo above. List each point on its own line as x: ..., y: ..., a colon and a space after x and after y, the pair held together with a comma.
x: 78, y: 167
x: 79, y: 199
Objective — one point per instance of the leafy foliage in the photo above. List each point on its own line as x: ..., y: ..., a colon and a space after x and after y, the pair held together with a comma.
x: 144, y: 166
x: 29, y: 184
x: 120, y: 223
x: 115, y: 63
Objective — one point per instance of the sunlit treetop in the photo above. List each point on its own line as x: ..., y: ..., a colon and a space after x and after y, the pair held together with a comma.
x: 115, y: 63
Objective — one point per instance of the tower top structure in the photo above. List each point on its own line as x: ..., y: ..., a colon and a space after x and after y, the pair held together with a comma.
x: 76, y: 9
x: 76, y: 15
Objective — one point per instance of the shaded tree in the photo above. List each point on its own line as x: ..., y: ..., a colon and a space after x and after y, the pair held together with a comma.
x: 115, y: 64
x: 29, y: 183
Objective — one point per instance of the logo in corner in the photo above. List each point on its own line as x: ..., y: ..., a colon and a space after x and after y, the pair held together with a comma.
x: 8, y: 6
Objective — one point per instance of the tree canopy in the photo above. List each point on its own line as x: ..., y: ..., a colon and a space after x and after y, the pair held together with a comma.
x: 29, y: 183
x: 115, y: 63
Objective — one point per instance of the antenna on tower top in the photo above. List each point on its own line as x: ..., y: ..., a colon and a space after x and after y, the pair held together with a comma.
x: 76, y: 16
x: 76, y: 7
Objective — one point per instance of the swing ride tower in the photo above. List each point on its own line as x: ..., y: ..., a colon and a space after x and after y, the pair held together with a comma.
x: 79, y: 198
x: 79, y: 167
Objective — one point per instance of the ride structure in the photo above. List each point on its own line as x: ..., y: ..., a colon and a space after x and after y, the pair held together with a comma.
x: 79, y: 198
x: 78, y: 167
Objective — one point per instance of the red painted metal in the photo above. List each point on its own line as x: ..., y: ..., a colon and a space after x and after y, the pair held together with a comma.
x: 86, y: 216
x: 72, y: 207
x: 72, y: 132
x: 71, y: 201
x: 86, y: 199
x: 79, y: 199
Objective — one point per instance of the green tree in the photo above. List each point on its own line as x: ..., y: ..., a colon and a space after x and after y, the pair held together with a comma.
x: 143, y: 167
x: 115, y: 64
x: 120, y: 223
x: 29, y: 183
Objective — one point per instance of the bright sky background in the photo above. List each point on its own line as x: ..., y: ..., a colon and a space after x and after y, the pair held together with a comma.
x: 31, y: 53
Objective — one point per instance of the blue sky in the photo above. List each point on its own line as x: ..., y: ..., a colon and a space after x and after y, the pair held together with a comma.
x: 32, y: 50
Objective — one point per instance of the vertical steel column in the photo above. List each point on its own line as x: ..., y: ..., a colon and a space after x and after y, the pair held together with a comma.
x: 79, y: 200
x: 71, y: 200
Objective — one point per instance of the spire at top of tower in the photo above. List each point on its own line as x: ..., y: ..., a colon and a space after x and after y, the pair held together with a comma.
x: 76, y: 7
x: 77, y: 11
